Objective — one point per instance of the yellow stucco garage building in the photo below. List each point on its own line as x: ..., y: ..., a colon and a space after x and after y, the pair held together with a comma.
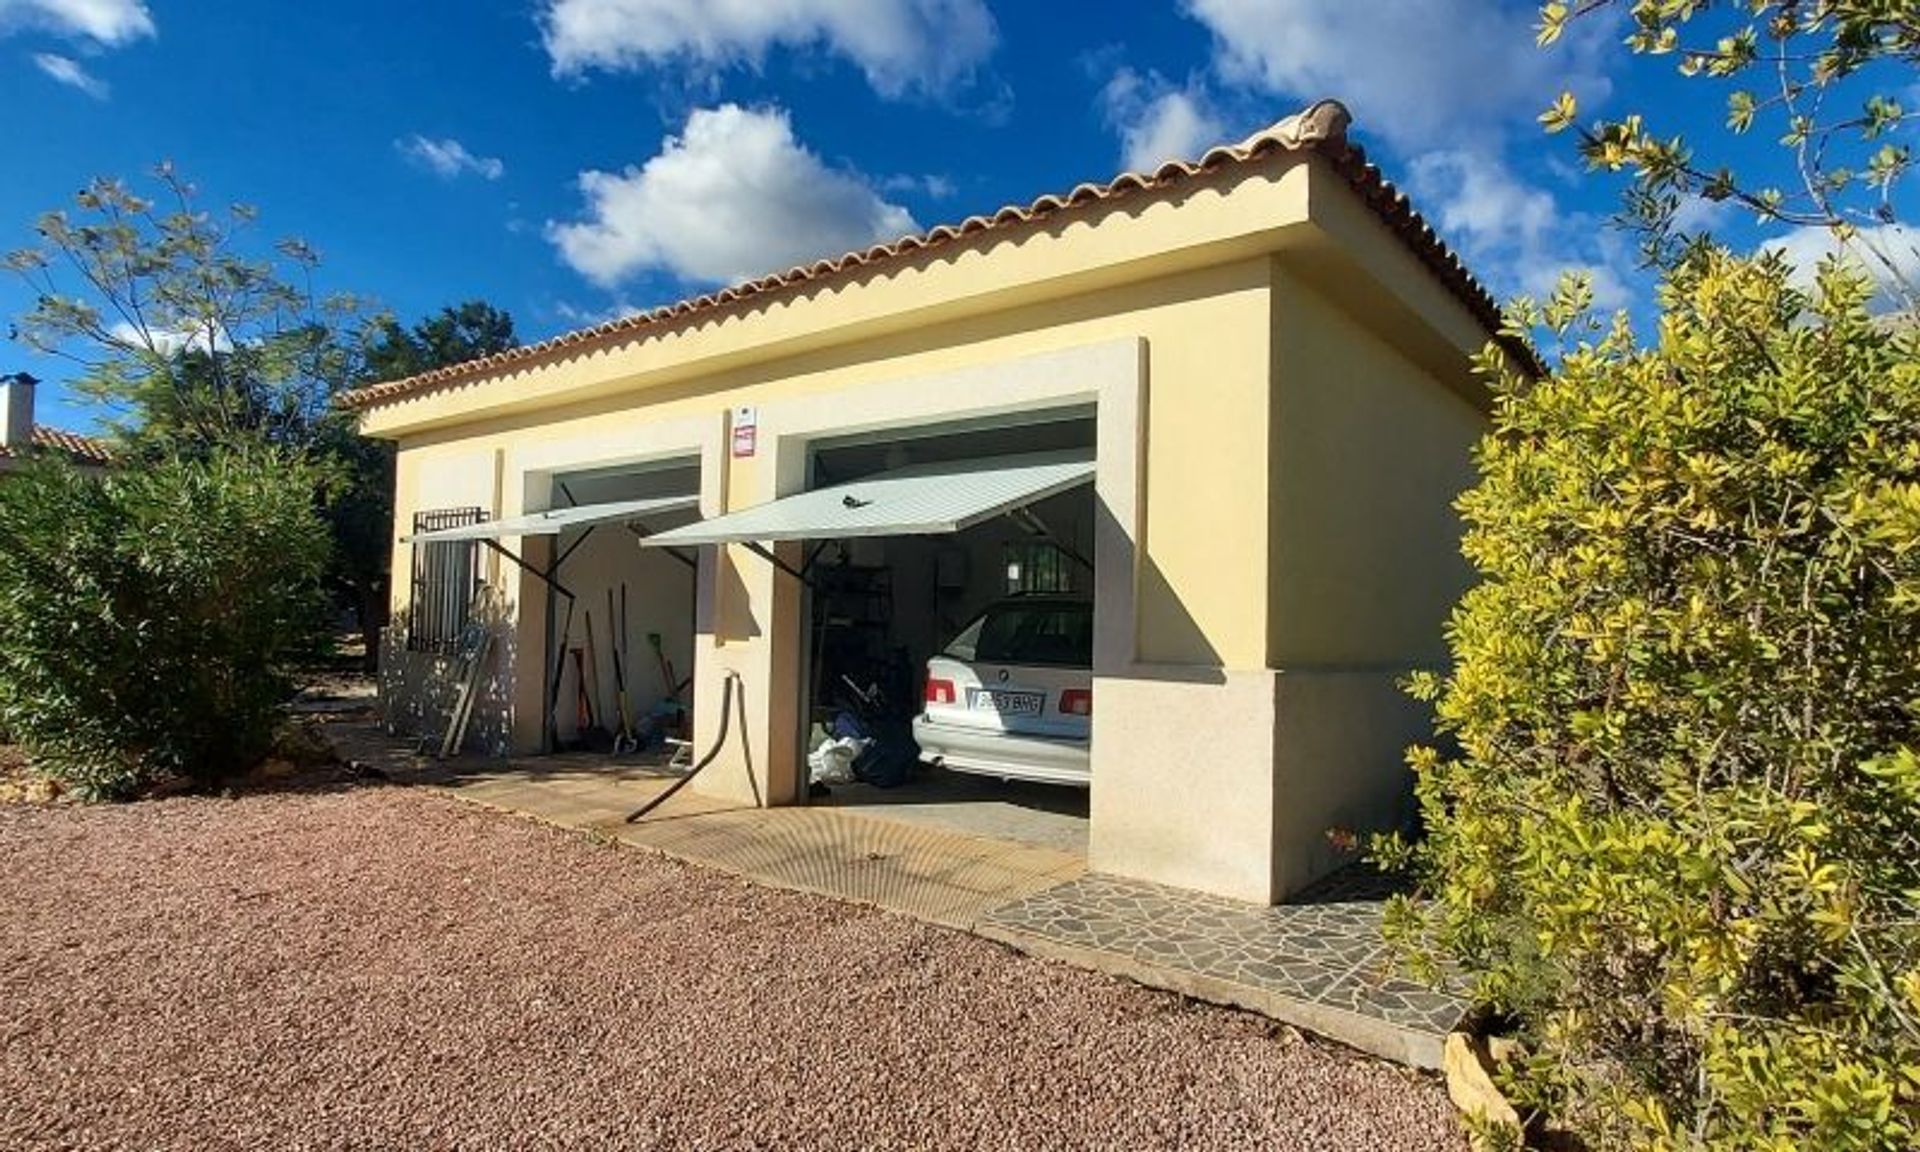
x: 1265, y: 356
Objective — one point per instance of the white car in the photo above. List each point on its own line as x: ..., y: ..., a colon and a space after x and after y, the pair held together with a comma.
x: 1012, y: 696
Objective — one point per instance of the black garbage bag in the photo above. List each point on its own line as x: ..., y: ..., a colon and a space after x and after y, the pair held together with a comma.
x: 890, y: 760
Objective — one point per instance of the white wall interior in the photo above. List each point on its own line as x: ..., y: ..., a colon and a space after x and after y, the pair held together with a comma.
x: 660, y: 592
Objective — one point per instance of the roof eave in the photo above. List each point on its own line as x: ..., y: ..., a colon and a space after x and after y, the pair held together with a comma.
x: 1030, y: 266
x: 1321, y: 129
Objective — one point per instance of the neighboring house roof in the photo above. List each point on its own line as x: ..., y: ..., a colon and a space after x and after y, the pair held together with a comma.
x: 80, y: 449
x: 1320, y: 129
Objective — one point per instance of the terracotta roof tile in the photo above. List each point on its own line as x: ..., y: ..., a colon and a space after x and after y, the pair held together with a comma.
x: 1321, y: 129
x: 82, y: 449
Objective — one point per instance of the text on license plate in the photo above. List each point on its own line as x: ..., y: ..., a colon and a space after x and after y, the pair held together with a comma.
x: 1008, y: 703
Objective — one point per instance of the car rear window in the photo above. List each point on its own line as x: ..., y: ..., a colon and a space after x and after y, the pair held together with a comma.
x: 1055, y: 633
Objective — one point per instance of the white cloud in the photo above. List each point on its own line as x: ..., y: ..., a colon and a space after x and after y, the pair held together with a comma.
x: 1417, y: 73
x: 66, y: 70
x: 1514, y: 235
x: 590, y: 317
x: 733, y: 196
x: 1697, y: 214
x: 931, y: 185
x: 1477, y: 199
x: 448, y: 158
x: 1889, y: 253
x: 1156, y: 121
x: 109, y: 22
x: 1449, y: 87
x: 926, y: 46
x: 166, y: 342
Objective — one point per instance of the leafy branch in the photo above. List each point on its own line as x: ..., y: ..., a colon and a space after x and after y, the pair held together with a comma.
x: 1821, y: 69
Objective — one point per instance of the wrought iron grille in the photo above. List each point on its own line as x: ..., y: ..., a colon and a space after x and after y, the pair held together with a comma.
x: 445, y: 575
x: 1037, y: 567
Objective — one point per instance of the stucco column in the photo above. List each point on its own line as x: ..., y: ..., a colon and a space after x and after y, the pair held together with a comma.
x: 1184, y: 706
x: 750, y: 626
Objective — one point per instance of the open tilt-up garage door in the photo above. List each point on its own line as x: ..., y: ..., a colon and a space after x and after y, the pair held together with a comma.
x: 556, y: 520
x: 900, y: 515
x: 578, y: 522
x: 920, y: 500
x: 553, y: 522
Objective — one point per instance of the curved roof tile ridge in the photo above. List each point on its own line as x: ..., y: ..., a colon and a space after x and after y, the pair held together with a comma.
x: 81, y: 449
x: 1321, y: 127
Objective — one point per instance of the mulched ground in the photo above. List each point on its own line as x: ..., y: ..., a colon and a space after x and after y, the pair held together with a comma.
x: 383, y: 967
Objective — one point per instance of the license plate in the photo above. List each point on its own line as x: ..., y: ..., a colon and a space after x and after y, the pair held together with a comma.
x: 1009, y: 703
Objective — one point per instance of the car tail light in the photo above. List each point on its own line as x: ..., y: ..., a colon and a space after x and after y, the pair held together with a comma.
x: 939, y: 691
x: 1077, y: 702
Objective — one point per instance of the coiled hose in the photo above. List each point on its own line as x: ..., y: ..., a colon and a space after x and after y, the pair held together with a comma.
x: 733, y: 688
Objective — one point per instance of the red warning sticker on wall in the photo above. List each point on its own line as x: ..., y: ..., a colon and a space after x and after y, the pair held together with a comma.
x: 746, y: 430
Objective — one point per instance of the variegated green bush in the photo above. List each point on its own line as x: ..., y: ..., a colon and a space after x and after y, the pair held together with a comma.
x: 1674, y: 838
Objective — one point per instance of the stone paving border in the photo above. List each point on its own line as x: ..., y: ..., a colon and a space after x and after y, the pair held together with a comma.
x: 1319, y: 962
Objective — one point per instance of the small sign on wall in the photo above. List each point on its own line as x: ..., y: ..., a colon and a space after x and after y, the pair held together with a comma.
x: 746, y: 429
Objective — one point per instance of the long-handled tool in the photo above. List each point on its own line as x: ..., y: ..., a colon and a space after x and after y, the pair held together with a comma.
x: 582, y: 703
x: 673, y: 685
x: 559, y: 675
x: 594, y: 734
x: 593, y: 668
x: 624, y: 741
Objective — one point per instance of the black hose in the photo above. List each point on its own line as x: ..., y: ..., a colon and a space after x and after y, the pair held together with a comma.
x: 727, y: 691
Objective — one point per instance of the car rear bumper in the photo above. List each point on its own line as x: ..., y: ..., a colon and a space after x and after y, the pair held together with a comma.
x: 1005, y: 754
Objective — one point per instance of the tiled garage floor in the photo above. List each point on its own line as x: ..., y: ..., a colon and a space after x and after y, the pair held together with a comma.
x: 1046, y: 816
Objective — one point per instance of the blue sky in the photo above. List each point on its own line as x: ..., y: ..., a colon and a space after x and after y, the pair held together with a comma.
x: 567, y: 159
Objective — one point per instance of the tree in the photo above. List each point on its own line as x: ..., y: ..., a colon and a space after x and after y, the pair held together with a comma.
x: 194, y: 344
x: 1675, y: 840
x: 361, y: 511
x: 454, y: 335
x: 186, y: 338
x: 1826, y: 76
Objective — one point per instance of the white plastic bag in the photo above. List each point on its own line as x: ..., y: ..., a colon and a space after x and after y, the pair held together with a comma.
x: 832, y: 762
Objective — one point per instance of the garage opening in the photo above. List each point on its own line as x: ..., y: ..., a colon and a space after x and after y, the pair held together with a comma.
x: 619, y: 653
x: 949, y: 583
x: 618, y: 662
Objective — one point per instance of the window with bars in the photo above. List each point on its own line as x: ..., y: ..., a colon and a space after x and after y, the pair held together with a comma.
x: 1037, y: 566
x: 445, y: 576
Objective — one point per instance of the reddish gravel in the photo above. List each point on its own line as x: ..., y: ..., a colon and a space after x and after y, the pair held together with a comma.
x: 386, y: 968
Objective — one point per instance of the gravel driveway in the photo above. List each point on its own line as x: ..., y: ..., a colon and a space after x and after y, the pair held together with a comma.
x: 387, y: 968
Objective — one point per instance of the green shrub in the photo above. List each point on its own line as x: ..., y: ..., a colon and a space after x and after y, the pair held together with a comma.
x: 1677, y: 838
x: 147, y: 616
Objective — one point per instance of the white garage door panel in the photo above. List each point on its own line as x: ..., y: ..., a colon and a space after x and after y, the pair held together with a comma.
x: 922, y: 500
x: 557, y: 520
